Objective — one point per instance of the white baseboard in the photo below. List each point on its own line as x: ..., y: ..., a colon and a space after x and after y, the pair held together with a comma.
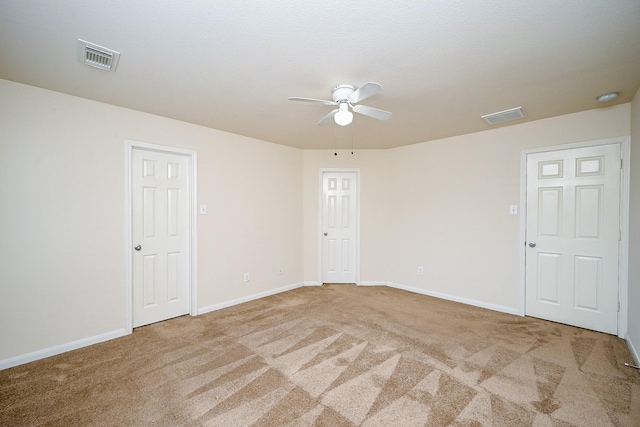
x: 633, y: 350
x: 372, y: 283
x: 482, y: 304
x: 312, y: 284
x: 62, y: 348
x: 248, y: 298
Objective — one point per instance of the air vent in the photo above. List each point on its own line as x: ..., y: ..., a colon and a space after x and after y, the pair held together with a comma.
x: 97, y: 56
x: 504, y: 116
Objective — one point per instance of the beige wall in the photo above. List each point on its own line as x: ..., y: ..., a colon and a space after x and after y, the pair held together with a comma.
x: 442, y: 205
x: 62, y: 210
x: 450, y: 205
x: 633, y: 333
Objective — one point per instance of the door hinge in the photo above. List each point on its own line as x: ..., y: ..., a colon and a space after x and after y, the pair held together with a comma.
x: 620, y: 163
x: 618, y: 306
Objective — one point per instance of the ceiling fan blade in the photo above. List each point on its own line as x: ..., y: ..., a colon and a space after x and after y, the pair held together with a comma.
x: 326, y: 119
x: 365, y: 91
x: 322, y: 101
x: 372, y: 112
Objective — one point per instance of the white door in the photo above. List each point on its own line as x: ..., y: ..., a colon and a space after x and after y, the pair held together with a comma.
x: 160, y: 235
x: 339, y: 225
x: 573, y: 230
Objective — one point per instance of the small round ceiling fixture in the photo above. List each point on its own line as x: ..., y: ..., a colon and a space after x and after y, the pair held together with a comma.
x: 609, y: 96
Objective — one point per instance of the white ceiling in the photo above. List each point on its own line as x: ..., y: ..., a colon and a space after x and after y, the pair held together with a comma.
x: 231, y: 65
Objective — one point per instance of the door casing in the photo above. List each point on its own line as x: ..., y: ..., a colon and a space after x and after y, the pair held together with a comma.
x: 320, y: 228
x: 623, y: 262
x: 192, y: 156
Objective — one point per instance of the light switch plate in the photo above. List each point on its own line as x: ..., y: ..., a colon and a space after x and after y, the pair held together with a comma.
x: 203, y: 209
x: 513, y: 210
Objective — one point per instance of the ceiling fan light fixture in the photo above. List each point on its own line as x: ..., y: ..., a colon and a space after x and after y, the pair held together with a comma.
x: 343, y: 117
x: 346, y: 99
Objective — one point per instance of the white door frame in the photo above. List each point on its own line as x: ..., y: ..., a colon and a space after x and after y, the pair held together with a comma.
x: 192, y: 156
x: 320, y: 229
x: 623, y: 245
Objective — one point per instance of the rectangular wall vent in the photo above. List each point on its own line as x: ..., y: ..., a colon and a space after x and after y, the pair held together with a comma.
x: 504, y: 116
x: 97, y: 56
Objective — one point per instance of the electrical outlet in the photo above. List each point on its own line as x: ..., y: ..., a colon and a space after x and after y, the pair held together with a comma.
x: 513, y: 210
x: 280, y: 271
x: 247, y: 277
x: 420, y: 271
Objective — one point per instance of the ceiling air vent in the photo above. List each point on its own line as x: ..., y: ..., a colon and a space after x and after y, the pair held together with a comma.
x: 504, y: 116
x: 97, y: 56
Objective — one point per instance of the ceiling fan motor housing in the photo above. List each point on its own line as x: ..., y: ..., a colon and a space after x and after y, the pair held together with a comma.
x: 342, y: 92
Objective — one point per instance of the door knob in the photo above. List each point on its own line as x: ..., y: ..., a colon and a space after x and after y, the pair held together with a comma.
x: 325, y: 234
x: 137, y: 247
x: 532, y: 244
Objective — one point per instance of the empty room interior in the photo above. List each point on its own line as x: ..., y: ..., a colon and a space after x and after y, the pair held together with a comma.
x: 320, y: 213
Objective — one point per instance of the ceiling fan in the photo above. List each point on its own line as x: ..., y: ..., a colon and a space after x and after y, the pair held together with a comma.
x: 345, y: 96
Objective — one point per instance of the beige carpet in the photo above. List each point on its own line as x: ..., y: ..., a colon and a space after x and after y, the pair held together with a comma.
x: 337, y: 355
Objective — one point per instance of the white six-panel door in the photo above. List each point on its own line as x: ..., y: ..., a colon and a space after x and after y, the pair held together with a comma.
x: 572, y: 235
x: 339, y: 225
x: 160, y: 235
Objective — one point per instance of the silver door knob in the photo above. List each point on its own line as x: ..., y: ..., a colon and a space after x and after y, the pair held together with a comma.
x: 532, y: 244
x: 137, y: 247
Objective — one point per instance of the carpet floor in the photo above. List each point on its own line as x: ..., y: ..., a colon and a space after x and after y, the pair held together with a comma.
x: 336, y: 355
